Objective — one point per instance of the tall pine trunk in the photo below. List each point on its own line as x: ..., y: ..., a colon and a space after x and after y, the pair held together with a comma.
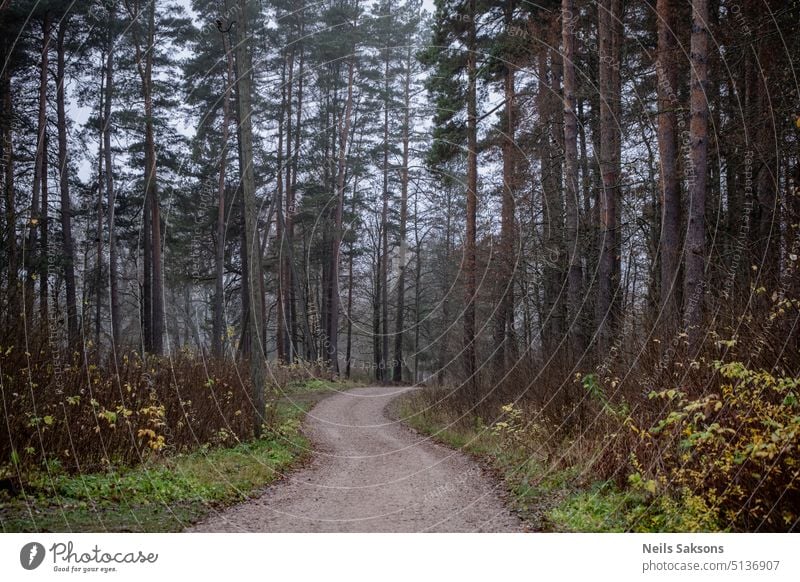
x: 553, y: 208
x: 113, y: 269
x: 608, y: 13
x: 44, y: 271
x: 32, y: 255
x: 153, y: 293
x: 397, y: 372
x: 12, y: 294
x: 504, y: 300
x: 280, y: 235
x: 285, y: 273
x: 255, y: 314
x: 218, y: 331
x: 383, y: 270
x: 98, y: 289
x: 667, y: 77
x: 572, y: 194
x: 332, y: 351
x: 152, y: 191
x: 697, y: 177
x: 470, y: 276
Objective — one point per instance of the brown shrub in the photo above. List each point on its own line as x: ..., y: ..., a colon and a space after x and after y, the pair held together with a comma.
x: 85, y: 414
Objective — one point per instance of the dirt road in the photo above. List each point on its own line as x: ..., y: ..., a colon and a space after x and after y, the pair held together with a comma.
x: 372, y: 474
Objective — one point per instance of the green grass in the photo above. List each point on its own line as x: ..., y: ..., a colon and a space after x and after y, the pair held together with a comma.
x: 170, y: 493
x: 559, y: 499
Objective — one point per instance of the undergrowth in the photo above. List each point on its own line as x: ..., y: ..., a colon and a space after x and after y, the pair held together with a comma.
x: 165, y: 491
x: 724, y: 461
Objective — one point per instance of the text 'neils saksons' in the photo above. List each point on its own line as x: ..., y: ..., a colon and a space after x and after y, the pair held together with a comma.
x: 664, y: 548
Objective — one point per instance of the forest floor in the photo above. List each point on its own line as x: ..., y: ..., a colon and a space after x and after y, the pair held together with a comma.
x: 370, y: 473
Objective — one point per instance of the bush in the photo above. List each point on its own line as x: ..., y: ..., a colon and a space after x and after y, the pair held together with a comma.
x: 83, y: 415
x: 736, y: 449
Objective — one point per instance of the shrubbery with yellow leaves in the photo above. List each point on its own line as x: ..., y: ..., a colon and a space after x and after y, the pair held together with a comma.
x: 737, y: 449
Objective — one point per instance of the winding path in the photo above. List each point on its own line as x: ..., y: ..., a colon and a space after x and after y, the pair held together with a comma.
x: 372, y: 474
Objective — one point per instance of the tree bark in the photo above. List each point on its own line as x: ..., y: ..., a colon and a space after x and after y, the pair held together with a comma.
x: 255, y: 305
x: 153, y: 293
x: 218, y: 326
x: 574, y: 273
x: 349, y: 342
x: 9, y: 197
x: 291, y: 202
x: 383, y: 270
x: 332, y: 351
x: 608, y: 13
x: 470, y: 278
x: 397, y: 372
x: 113, y: 269
x: 548, y: 150
x: 377, y: 344
x: 44, y: 242
x: 31, y: 252
x: 98, y: 288
x: 504, y: 286
x: 285, y: 276
x: 667, y: 77
x: 697, y: 177
x: 152, y: 190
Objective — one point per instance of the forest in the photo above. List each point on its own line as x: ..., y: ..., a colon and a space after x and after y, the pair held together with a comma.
x: 571, y: 226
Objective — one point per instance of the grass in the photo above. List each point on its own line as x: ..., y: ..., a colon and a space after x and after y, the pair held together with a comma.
x: 169, y: 493
x: 555, y: 499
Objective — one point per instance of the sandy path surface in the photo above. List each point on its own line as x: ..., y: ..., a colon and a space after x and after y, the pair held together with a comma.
x: 372, y: 474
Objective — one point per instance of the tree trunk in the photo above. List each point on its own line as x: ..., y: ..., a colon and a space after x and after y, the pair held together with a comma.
x: 377, y: 344
x: 44, y: 242
x: 397, y: 372
x: 470, y: 278
x: 285, y: 282
x: 286, y: 277
x: 147, y: 276
x: 8, y: 187
x: 218, y: 327
x: 31, y: 252
x: 553, y: 208
x: 444, y: 339
x: 349, y: 343
x: 608, y: 12
x: 351, y: 249
x: 667, y: 77
x: 255, y: 305
x: 587, y: 226
x: 417, y: 289
x: 152, y: 190
x: 290, y: 203
x: 153, y: 299
x: 572, y: 194
x: 383, y: 271
x: 696, y: 177
x: 332, y: 339
x: 504, y: 286
x: 113, y: 270
x: 98, y: 289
